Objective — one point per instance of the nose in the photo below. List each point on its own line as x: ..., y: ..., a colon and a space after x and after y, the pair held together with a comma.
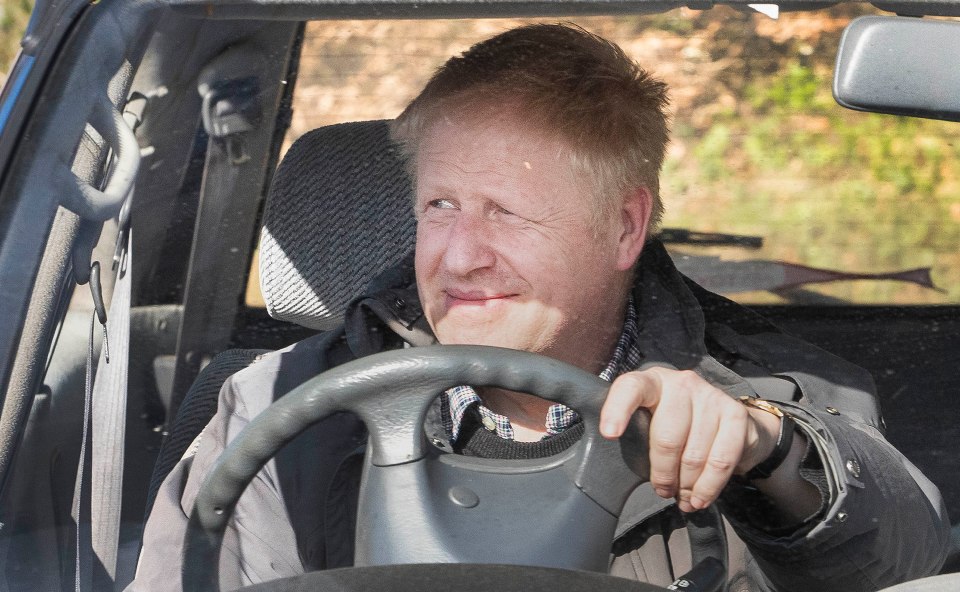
x: 469, y: 246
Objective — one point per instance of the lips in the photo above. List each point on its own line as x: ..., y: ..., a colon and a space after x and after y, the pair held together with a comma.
x: 456, y: 297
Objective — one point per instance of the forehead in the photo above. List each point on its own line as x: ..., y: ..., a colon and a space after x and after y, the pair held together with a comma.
x: 501, y: 144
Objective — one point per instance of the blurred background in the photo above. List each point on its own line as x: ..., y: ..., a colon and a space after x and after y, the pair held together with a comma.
x: 14, y: 15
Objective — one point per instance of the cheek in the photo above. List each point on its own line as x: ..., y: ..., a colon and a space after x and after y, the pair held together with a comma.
x: 428, y: 247
x: 549, y: 272
x: 426, y: 267
x: 560, y: 257
x: 573, y: 277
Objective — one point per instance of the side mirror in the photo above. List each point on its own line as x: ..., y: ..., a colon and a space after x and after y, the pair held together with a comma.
x: 898, y: 65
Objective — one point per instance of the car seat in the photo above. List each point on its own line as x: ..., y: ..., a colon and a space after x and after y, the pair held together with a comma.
x: 338, y: 214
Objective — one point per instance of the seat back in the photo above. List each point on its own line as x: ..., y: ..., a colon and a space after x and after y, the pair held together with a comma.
x: 338, y: 214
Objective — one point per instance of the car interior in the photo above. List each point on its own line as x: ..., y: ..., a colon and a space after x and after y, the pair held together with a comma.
x: 146, y: 135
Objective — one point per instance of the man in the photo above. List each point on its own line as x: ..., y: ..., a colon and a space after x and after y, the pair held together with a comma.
x: 535, y: 158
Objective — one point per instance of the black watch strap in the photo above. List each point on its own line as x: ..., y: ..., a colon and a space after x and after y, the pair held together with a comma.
x: 784, y: 439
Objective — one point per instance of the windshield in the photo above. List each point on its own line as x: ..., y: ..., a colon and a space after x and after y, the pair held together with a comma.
x: 832, y: 206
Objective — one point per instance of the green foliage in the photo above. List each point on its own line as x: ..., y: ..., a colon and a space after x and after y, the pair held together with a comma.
x: 826, y: 186
x: 797, y: 87
x: 711, y: 152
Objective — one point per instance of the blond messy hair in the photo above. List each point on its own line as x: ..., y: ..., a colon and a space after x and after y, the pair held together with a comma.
x: 565, y: 82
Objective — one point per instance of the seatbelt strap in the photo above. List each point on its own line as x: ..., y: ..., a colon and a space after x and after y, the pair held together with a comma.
x: 81, y: 488
x: 109, y: 415
x: 105, y: 410
x: 99, y: 482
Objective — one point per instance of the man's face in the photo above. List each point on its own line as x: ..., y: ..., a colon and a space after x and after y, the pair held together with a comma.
x: 507, y: 253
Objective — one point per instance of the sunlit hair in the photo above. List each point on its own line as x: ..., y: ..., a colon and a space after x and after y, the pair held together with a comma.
x: 563, y: 81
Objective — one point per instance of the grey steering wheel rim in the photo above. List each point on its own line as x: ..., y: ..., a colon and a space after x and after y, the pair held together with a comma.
x: 391, y: 393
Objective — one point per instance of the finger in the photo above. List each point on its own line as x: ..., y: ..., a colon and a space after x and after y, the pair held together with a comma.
x: 669, y: 429
x: 703, y: 431
x: 723, y: 457
x: 628, y: 393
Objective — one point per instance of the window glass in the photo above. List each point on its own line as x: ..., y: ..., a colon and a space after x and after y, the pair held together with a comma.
x: 849, y: 207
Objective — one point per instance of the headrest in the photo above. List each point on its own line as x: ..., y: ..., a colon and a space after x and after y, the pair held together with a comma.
x: 338, y: 214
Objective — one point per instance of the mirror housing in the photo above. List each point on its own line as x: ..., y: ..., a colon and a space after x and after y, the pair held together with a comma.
x: 901, y: 66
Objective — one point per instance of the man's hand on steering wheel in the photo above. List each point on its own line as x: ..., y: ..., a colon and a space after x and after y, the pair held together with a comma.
x: 699, y: 436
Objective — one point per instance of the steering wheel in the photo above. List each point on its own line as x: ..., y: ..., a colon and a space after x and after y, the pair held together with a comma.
x: 411, y: 491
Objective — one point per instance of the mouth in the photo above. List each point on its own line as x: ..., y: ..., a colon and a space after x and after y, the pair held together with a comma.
x: 475, y: 298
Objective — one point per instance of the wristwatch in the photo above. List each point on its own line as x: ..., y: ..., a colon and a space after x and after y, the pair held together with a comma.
x: 784, y: 440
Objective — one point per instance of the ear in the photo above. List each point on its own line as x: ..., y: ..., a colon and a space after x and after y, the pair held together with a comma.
x: 635, y: 217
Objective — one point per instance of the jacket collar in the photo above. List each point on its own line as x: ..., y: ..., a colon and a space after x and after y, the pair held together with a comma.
x: 673, y: 329
x: 389, y: 310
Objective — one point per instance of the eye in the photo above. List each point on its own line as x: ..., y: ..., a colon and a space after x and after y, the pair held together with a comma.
x: 441, y: 204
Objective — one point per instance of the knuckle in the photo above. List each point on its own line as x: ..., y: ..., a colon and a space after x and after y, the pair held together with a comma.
x: 718, y: 397
x: 707, y: 495
x: 737, y: 411
x: 733, y: 412
x: 662, y: 480
x: 688, y: 378
x: 668, y: 445
x: 734, y: 407
x: 719, y: 464
x: 693, y: 459
x: 632, y: 381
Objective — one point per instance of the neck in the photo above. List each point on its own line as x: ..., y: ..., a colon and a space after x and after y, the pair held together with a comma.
x: 527, y: 413
x: 592, y: 350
